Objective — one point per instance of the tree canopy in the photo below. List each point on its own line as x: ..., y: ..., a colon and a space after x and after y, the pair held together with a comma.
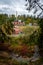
x: 36, y: 5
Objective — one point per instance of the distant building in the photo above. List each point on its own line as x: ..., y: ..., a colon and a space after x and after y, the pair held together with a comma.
x: 16, y: 26
x: 30, y: 24
x: 16, y: 30
x: 18, y: 23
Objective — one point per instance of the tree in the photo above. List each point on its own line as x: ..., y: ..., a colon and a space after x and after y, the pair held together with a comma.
x: 3, y: 18
x: 5, y: 30
x: 36, y: 5
x: 12, y: 18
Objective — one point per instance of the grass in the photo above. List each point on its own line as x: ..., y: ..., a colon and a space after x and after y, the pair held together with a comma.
x: 23, y: 27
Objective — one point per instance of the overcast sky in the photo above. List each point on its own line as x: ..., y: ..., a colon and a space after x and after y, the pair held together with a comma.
x: 11, y: 6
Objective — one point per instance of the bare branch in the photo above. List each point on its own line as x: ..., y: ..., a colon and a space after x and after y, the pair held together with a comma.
x: 35, y: 4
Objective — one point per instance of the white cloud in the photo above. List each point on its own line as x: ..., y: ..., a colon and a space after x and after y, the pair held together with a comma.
x: 15, y: 5
x: 11, y: 6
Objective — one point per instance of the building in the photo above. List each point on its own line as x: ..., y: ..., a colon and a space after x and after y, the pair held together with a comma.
x: 16, y: 30
x: 18, y: 23
x: 16, y: 26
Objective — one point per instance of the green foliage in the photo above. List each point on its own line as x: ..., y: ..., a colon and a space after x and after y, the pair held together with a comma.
x: 5, y: 30
x: 26, y: 38
x: 12, y: 18
x: 40, y: 38
x: 37, y: 37
x: 27, y: 19
x: 5, y: 18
